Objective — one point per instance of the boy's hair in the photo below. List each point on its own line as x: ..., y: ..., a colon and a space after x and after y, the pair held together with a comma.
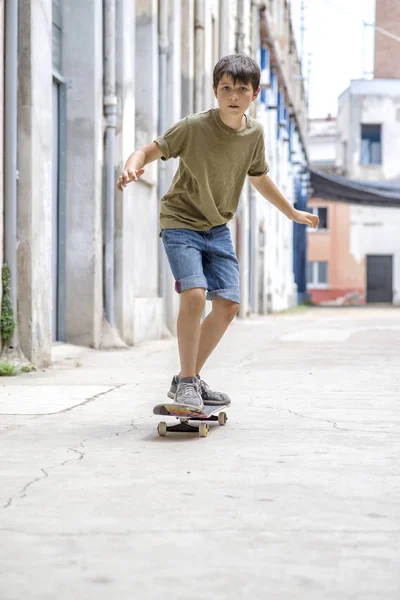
x: 240, y: 67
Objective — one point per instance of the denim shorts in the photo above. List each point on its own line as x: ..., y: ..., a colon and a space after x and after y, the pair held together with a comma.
x: 203, y: 259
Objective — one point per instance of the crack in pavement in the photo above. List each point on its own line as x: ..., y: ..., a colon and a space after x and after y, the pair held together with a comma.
x: 65, y: 410
x: 132, y: 426
x: 335, y: 425
x: 22, y: 493
x: 201, y: 529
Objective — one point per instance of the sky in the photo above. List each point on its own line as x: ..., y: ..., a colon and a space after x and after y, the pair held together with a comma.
x: 337, y: 48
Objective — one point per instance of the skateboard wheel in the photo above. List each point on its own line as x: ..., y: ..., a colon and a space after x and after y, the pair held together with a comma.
x: 162, y: 429
x: 222, y: 418
x: 203, y: 430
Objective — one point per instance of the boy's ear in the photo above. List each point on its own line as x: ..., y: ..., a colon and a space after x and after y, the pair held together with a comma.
x: 214, y: 90
x: 256, y: 93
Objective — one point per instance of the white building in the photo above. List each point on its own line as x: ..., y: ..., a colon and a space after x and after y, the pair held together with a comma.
x: 369, y: 130
x: 87, y: 83
x: 358, y: 252
x: 321, y: 143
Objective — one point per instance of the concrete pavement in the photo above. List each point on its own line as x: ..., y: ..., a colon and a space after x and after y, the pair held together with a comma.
x: 298, y: 497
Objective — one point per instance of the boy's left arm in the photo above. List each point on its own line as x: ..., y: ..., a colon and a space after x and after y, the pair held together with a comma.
x: 266, y: 187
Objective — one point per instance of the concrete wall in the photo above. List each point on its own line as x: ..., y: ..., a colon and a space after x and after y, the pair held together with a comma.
x: 125, y: 141
x: 1, y: 138
x: 34, y: 187
x: 83, y: 67
x: 148, y: 318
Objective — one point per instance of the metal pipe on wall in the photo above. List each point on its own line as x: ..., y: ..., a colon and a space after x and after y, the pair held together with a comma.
x: 10, y: 150
x: 199, y: 26
x: 223, y: 28
x: 253, y: 271
x: 240, y: 34
x: 243, y: 242
x: 110, y: 111
x: 163, y: 49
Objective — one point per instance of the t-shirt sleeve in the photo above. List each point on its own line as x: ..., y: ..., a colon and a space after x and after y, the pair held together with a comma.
x: 172, y: 143
x: 259, y: 165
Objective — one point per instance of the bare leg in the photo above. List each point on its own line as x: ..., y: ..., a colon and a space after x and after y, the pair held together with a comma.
x: 213, y: 328
x: 191, y: 309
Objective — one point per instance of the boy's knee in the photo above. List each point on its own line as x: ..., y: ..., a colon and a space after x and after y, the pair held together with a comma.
x: 229, y: 309
x: 193, y: 299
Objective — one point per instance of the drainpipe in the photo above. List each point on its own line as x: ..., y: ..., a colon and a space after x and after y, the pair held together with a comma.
x: 253, y: 270
x: 110, y: 111
x: 242, y: 213
x: 224, y: 28
x: 240, y: 35
x: 163, y: 51
x: 10, y: 154
x: 199, y: 24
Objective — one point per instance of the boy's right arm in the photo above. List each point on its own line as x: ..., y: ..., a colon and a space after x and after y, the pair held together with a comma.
x: 134, y: 165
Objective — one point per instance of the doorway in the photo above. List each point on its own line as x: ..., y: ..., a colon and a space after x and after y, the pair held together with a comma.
x: 379, y: 278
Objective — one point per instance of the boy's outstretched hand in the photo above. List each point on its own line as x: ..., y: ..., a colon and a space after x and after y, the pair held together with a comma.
x: 305, y: 218
x: 128, y: 176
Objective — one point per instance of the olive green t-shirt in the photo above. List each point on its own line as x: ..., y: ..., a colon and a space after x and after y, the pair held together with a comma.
x: 214, y: 160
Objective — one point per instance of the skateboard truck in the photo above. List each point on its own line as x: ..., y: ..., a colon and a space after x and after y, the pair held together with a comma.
x: 184, y: 415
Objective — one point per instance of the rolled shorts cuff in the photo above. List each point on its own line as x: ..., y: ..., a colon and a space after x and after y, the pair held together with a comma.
x: 232, y: 294
x: 188, y: 283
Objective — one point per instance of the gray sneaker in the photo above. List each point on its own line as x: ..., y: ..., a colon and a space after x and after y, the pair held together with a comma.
x: 188, y: 393
x: 209, y: 396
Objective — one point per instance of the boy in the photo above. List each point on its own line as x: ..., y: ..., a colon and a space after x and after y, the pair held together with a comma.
x: 217, y: 149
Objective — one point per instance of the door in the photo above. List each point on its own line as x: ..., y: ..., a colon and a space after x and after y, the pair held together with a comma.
x: 379, y: 278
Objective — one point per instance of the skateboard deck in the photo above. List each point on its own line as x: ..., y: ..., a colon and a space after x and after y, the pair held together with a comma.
x: 185, y: 414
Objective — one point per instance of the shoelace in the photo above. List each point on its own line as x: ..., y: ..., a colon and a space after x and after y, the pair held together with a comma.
x: 206, y: 388
x: 188, y: 390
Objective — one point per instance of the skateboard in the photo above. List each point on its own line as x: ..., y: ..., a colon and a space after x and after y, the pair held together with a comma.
x: 184, y: 414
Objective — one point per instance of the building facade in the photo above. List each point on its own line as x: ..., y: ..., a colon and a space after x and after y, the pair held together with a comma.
x: 87, y: 83
x: 354, y: 256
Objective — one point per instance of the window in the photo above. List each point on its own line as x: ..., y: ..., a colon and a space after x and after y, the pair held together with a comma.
x: 322, y: 212
x: 317, y: 274
x: 371, y: 148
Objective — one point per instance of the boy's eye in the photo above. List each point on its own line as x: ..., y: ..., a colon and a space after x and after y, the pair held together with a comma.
x: 225, y: 88
x: 244, y: 89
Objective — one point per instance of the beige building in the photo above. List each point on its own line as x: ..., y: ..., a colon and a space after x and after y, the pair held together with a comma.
x: 386, y: 58
x: 88, y: 82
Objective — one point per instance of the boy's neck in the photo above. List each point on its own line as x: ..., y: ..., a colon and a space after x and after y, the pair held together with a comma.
x: 233, y: 121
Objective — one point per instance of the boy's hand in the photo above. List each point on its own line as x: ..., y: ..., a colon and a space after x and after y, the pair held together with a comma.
x: 305, y: 218
x: 128, y: 176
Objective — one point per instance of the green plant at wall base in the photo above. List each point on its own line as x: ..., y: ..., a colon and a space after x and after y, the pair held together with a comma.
x: 7, y: 323
x: 7, y: 370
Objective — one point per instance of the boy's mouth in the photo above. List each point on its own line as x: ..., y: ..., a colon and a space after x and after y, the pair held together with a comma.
x: 233, y: 106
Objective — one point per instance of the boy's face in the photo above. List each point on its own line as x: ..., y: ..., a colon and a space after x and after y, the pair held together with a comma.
x: 234, y: 98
